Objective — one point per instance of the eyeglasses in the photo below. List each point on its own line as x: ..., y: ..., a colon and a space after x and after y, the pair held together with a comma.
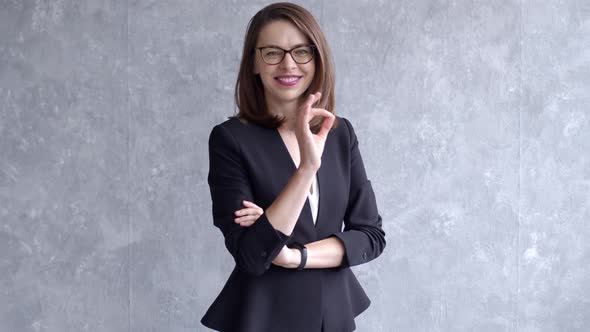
x: 274, y: 55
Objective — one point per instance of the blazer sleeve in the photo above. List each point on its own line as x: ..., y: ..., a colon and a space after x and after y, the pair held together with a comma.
x: 253, y: 248
x: 363, y: 236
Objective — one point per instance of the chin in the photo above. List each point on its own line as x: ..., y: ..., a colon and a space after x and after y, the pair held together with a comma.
x: 288, y: 97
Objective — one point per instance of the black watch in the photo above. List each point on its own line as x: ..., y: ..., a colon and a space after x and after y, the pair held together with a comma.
x: 303, y: 251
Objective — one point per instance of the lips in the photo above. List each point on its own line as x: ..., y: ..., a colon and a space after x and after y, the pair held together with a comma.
x: 288, y: 80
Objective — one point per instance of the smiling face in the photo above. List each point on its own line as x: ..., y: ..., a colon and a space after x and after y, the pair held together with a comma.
x: 286, y: 81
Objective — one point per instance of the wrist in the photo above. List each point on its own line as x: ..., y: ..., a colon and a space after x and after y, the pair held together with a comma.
x: 301, y: 259
x: 295, y: 258
x: 307, y: 171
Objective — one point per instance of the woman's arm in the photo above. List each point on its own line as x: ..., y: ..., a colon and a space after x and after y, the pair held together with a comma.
x: 286, y: 208
x: 324, y: 253
x: 253, y: 248
x: 363, y: 238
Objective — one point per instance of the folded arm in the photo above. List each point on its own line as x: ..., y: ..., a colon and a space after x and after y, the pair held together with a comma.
x: 253, y: 248
x: 324, y: 253
x: 363, y: 238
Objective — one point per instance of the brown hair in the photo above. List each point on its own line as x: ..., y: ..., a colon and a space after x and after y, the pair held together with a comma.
x: 249, y: 91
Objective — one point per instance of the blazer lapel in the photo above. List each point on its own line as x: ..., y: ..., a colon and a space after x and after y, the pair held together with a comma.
x: 328, y: 181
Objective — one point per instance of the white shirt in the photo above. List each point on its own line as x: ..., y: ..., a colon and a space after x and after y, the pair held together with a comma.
x: 314, y: 199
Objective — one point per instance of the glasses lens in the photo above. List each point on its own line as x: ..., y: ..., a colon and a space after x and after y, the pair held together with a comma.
x: 272, y: 55
x: 302, y: 54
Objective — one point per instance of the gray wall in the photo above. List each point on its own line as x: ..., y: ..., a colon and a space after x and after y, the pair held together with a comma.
x: 474, y: 123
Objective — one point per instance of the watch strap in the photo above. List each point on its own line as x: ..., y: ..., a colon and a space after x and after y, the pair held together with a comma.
x: 303, y: 251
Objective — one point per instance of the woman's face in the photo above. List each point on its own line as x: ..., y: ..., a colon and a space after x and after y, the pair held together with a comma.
x: 286, y: 81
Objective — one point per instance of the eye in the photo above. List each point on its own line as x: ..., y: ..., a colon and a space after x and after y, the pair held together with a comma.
x: 272, y: 52
x: 302, y: 51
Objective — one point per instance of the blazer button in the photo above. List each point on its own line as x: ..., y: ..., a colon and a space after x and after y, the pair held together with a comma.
x: 364, y: 255
x: 263, y: 254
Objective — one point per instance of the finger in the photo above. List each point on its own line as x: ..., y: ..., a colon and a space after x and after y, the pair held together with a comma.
x: 327, y: 125
x: 242, y: 220
x: 305, y: 111
x: 308, y: 106
x: 320, y: 112
x: 253, y: 211
x: 316, y: 99
x: 247, y: 223
x: 318, y: 96
x: 256, y: 209
x: 250, y: 204
x: 247, y: 218
x: 311, y: 99
x: 329, y: 119
x: 242, y: 212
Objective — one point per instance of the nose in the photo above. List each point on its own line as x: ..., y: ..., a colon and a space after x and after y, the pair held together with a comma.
x: 288, y: 61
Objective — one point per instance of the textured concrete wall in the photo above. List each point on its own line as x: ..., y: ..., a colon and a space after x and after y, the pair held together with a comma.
x: 474, y: 123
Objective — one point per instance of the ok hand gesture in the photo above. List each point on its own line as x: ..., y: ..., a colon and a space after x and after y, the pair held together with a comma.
x: 311, y: 146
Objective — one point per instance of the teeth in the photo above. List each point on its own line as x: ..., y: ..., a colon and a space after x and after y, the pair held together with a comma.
x: 289, y: 79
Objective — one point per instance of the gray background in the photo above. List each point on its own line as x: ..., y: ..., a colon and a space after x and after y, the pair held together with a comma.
x: 473, y: 119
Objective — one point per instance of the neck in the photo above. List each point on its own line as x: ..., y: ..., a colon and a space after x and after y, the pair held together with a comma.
x: 286, y: 109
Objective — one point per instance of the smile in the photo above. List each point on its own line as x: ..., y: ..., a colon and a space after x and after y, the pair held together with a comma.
x: 288, y: 80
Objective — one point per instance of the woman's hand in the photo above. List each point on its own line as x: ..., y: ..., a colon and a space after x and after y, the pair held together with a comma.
x: 311, y: 146
x: 248, y: 215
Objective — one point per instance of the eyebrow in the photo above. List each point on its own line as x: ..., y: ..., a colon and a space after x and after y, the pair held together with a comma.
x: 294, y: 46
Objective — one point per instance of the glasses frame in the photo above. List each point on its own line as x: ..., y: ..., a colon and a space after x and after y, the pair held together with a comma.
x: 312, y: 47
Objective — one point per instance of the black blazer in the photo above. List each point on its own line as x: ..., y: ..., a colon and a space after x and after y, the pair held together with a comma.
x: 250, y: 162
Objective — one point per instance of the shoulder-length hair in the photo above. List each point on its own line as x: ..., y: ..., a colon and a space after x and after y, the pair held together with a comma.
x: 249, y: 91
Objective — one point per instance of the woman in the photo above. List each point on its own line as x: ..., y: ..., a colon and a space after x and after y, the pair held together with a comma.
x: 285, y: 175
